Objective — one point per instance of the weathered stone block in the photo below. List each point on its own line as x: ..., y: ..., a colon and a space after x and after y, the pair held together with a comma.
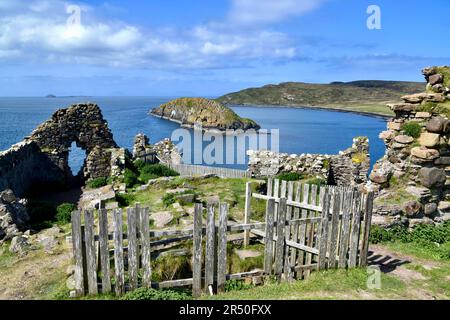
x: 436, y: 124
x: 429, y: 139
x: 404, y: 139
x: 435, y: 79
x: 432, y: 177
x: 442, y: 161
x: 424, y: 153
x: 395, y: 126
x: 423, y: 115
x: 412, y: 208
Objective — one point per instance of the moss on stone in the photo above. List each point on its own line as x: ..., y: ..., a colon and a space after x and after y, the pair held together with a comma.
x: 436, y: 108
x: 359, y: 158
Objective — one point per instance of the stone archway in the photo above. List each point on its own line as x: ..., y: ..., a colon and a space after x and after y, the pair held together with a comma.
x: 84, y: 125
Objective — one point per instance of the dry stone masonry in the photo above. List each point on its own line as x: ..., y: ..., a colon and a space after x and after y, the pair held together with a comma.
x: 412, y: 179
x: 84, y: 125
x: 349, y: 168
x: 43, y: 157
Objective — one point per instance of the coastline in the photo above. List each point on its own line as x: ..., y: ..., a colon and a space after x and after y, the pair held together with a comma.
x: 337, y: 109
x: 206, y: 130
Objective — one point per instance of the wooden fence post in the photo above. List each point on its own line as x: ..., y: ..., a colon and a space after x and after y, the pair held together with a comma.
x: 248, y: 202
x: 90, y: 252
x: 222, y: 247
x: 133, y: 263
x: 197, y: 254
x: 280, y: 245
x: 345, y: 229
x: 310, y: 234
x: 333, y: 245
x: 118, y: 252
x: 268, y: 240
x: 302, y: 228
x: 298, y: 194
x: 78, y: 253
x: 287, y: 264
x: 354, y: 236
x: 145, y: 247
x: 367, y: 223
x: 104, y: 250
x: 210, y: 247
x: 323, y: 235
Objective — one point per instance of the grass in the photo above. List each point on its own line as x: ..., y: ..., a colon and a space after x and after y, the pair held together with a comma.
x: 333, y: 284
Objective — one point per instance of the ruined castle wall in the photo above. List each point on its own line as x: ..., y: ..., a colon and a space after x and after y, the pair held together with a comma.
x: 349, y: 168
x: 23, y: 165
x: 412, y: 179
x: 43, y: 157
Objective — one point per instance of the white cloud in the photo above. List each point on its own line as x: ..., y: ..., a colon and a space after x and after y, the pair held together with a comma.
x: 38, y: 31
x: 268, y: 11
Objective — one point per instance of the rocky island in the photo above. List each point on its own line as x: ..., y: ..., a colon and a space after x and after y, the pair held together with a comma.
x: 211, y: 114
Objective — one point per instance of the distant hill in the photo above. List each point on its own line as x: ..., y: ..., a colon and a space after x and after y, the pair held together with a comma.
x: 369, y: 96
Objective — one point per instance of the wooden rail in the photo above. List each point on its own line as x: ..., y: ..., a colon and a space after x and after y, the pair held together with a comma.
x: 197, y: 170
x: 306, y: 228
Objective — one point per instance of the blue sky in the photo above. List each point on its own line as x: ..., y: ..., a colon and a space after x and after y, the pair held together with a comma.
x: 212, y: 47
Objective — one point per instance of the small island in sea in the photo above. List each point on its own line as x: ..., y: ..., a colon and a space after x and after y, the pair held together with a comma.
x: 210, y: 114
x: 50, y: 96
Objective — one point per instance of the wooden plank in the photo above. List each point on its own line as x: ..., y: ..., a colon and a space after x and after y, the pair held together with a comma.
x: 354, y: 234
x: 104, y: 251
x: 302, y: 229
x: 269, y: 187
x: 118, y: 252
x: 298, y: 193
x: 280, y: 244
x: 133, y: 263
x: 289, y: 203
x: 248, y: 202
x: 276, y: 188
x: 311, y: 230
x: 268, y: 248
x: 197, y: 254
x: 283, y: 189
x: 145, y: 247
x: 90, y: 252
x: 323, y: 236
x: 77, y: 253
x: 287, y: 264
x: 333, y: 239
x: 368, y: 209
x: 288, y: 243
x: 222, y: 247
x: 210, y: 246
x: 345, y: 230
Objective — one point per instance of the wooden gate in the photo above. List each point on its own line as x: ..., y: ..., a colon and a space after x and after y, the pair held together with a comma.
x: 308, y: 227
x: 311, y: 229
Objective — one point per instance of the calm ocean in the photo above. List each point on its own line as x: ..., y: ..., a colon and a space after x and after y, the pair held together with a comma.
x: 301, y: 130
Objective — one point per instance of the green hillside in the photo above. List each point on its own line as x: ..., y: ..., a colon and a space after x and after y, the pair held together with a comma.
x: 359, y: 96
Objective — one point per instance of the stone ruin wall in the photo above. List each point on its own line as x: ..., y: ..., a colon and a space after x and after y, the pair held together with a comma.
x: 43, y: 156
x: 348, y: 168
x: 416, y: 170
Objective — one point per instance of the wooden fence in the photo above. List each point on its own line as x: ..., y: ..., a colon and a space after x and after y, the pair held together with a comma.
x: 313, y: 230
x: 326, y: 227
x: 193, y: 170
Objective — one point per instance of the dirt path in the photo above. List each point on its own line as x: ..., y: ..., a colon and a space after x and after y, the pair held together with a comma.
x: 37, y: 275
x: 401, y: 266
